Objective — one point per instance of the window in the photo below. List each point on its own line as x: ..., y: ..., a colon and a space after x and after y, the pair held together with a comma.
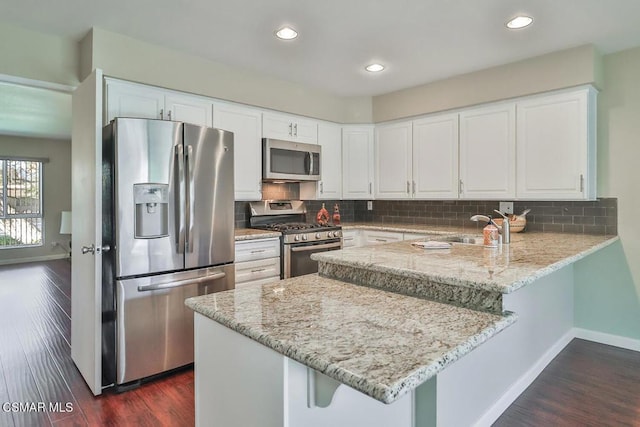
x: 20, y: 203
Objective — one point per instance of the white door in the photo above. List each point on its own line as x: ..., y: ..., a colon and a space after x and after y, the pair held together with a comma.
x: 189, y: 109
x: 357, y: 162
x: 132, y: 100
x: 330, y: 139
x: 435, y: 157
x: 86, y: 230
x: 393, y: 161
x: 552, y: 145
x: 246, y: 125
x: 487, y: 152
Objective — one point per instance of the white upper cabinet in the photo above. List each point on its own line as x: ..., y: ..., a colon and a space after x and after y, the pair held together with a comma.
x: 289, y: 128
x: 357, y: 162
x: 189, y: 109
x: 393, y: 162
x: 132, y: 100
x: 246, y: 125
x: 126, y: 99
x: 330, y: 139
x: 556, y: 146
x: 487, y: 152
x: 435, y: 157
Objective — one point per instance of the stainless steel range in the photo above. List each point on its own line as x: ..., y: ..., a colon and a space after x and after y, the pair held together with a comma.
x: 299, y: 239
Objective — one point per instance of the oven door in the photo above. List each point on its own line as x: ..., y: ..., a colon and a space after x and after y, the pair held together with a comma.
x: 297, y: 257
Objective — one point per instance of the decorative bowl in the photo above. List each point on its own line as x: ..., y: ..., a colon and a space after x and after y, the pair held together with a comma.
x: 516, y: 223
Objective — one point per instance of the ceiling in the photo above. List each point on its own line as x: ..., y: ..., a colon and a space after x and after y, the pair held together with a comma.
x: 418, y: 40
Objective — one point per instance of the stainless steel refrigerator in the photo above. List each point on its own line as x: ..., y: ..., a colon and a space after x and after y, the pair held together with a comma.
x: 168, y: 216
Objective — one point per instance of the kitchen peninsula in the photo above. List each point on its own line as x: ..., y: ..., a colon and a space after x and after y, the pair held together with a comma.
x: 435, y: 337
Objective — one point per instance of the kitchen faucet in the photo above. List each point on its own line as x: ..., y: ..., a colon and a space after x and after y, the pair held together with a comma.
x: 504, y: 229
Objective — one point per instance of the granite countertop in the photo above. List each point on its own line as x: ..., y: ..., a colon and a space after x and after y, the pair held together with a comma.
x: 411, y: 228
x: 504, y: 270
x: 381, y: 343
x: 252, y: 234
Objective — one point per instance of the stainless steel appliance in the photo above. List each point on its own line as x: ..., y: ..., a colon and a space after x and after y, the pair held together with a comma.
x: 290, y: 161
x: 299, y: 239
x: 169, y: 219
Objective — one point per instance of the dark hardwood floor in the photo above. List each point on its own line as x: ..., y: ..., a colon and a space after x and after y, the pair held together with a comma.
x: 587, y: 384
x: 36, y: 365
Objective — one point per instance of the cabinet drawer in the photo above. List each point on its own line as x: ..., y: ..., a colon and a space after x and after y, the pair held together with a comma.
x: 255, y: 270
x: 350, y: 238
x: 378, y: 237
x: 414, y: 236
x: 258, y: 282
x: 251, y: 250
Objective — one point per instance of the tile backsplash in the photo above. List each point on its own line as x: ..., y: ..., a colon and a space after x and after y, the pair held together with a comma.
x: 597, y: 217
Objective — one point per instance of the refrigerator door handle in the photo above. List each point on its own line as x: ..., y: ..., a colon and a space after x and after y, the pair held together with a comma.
x: 179, y: 283
x: 190, y: 198
x: 180, y: 198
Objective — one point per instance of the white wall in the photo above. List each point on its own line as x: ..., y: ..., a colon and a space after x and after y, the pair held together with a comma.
x: 38, y: 56
x: 56, y: 195
x: 571, y: 67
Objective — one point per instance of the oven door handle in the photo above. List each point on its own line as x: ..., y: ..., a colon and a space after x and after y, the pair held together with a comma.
x: 315, y: 247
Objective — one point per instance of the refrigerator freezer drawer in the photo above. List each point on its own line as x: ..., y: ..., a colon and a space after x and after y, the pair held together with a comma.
x: 154, y: 327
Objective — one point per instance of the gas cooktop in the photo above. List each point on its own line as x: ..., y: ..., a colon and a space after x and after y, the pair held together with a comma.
x: 294, y: 227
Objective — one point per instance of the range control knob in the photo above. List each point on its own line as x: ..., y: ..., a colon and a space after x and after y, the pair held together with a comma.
x: 318, y: 236
x: 337, y: 233
x: 329, y: 234
x: 304, y: 237
x: 296, y: 238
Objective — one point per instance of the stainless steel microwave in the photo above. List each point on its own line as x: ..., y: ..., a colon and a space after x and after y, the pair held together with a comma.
x: 290, y: 161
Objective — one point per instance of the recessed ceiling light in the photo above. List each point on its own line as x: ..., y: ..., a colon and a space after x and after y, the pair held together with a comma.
x: 374, y: 68
x: 519, y: 21
x: 286, y: 33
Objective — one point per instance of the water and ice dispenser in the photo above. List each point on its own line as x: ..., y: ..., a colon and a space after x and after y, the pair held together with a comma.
x: 152, y: 210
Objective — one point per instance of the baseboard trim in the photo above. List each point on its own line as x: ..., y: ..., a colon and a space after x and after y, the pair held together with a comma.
x: 608, y: 339
x: 33, y: 259
x: 489, y: 417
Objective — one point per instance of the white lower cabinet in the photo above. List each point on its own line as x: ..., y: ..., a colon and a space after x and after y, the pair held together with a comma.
x: 372, y: 237
x: 351, y: 238
x: 257, y: 261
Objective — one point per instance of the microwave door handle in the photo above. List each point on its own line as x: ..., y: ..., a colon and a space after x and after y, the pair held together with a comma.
x: 190, y: 198
x: 310, y: 163
x: 179, y: 198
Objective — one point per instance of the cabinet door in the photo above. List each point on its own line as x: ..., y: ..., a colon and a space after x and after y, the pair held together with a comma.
x: 289, y: 128
x: 190, y: 109
x: 246, y: 125
x: 393, y: 161
x: 357, y: 162
x: 487, y: 152
x: 553, y: 144
x: 435, y: 157
x: 330, y: 139
x: 305, y: 130
x: 132, y: 100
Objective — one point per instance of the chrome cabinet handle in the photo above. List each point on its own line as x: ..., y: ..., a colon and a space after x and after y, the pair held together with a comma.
x: 461, y: 187
x: 295, y: 129
x: 290, y: 129
x: 370, y: 190
x: 408, y: 187
x: 581, y: 183
x: 162, y: 114
x: 89, y: 249
x: 258, y: 270
x: 169, y: 115
x: 321, y: 187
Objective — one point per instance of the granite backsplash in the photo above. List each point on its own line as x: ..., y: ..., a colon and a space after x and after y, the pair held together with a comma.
x: 597, y: 217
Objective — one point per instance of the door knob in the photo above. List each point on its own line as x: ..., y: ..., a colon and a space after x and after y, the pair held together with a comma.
x: 89, y: 249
